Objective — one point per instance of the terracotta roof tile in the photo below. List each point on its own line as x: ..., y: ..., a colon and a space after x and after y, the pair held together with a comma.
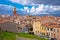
x: 51, y: 25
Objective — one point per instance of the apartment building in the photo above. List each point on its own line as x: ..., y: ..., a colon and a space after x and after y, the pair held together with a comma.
x: 36, y: 28
x: 43, y: 31
x: 53, y: 30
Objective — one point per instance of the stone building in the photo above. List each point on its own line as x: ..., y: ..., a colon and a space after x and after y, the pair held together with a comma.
x: 10, y: 27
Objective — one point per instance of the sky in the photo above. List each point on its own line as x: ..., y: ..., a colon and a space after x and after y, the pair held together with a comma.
x: 30, y: 7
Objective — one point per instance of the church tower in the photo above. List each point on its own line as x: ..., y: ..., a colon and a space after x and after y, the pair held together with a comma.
x: 14, y: 11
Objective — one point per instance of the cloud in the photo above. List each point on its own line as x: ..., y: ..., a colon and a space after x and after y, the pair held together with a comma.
x: 6, y: 6
x: 32, y: 9
x: 5, y: 9
x: 48, y: 2
x: 23, y: 2
x: 42, y: 9
x: 15, y: 1
x: 26, y: 9
x: 56, y: 8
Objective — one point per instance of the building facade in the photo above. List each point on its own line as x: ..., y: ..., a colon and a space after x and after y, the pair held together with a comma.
x: 36, y: 28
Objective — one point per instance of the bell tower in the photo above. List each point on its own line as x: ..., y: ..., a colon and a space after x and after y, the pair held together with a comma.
x: 14, y: 11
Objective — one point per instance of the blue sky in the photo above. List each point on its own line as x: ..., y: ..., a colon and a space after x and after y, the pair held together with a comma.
x: 32, y: 7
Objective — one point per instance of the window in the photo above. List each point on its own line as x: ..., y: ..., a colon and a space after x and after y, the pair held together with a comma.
x: 54, y: 30
x: 51, y: 29
x: 47, y: 28
x: 57, y: 30
x: 29, y: 20
x: 38, y: 31
x: 44, y: 28
x: 34, y: 18
x: 51, y: 34
x: 43, y: 34
x: 57, y: 36
x: 36, y: 27
x: 25, y: 20
x: 41, y: 27
x: 19, y: 28
x: 47, y: 34
x: 20, y: 21
x: 35, y: 21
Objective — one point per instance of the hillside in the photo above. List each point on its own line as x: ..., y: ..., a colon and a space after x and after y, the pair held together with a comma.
x: 18, y: 36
